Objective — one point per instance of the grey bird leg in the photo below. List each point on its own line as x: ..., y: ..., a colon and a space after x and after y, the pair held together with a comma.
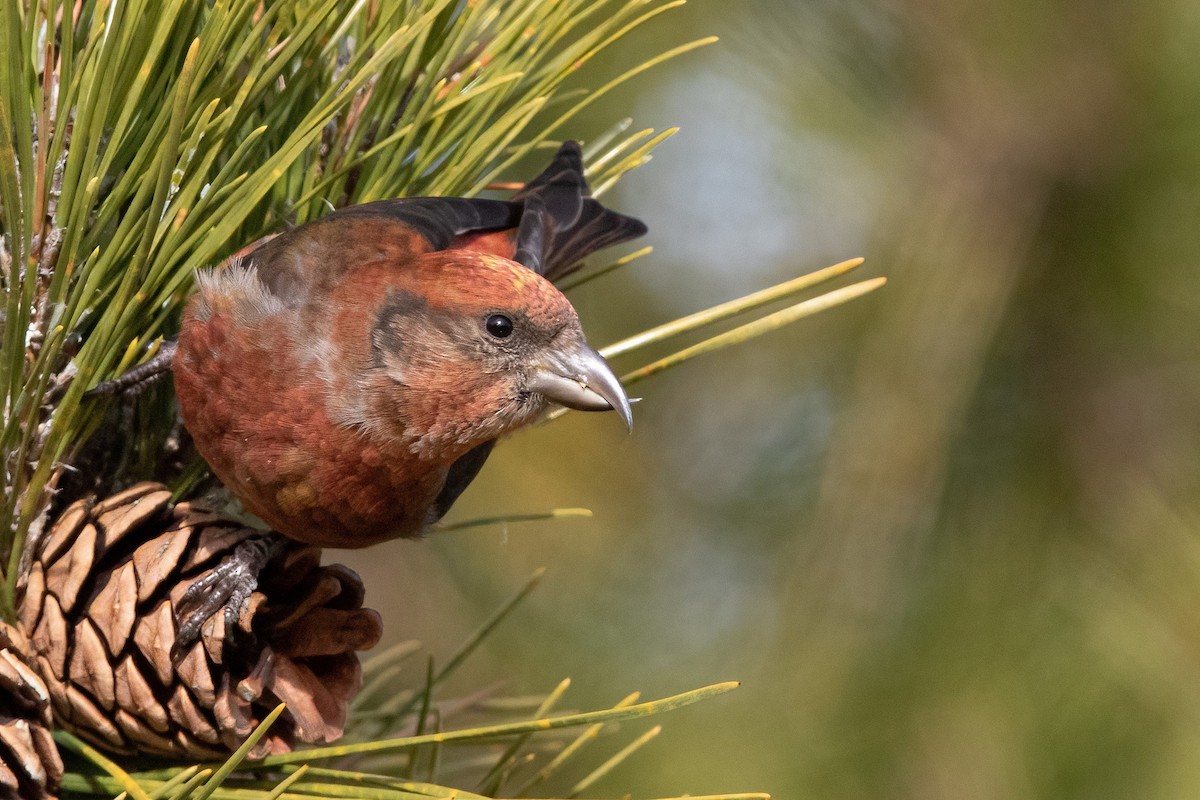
x: 227, y: 587
x: 140, y: 377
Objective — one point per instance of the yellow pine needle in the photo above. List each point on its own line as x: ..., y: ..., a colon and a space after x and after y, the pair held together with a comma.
x: 743, y: 333
x: 590, y: 733
x: 597, y: 143
x: 129, y: 356
x: 552, y: 699
x: 513, y: 704
x: 752, y: 330
x: 122, y: 778
x: 621, y: 158
x: 479, y: 522
x: 496, y: 776
x: 654, y: 12
x: 467, y: 647
x: 505, y: 729
x: 597, y: 162
x: 631, y: 160
x: 380, y: 685
x: 368, y: 778
x: 181, y: 778
x: 187, y: 789
x: 287, y: 782
x: 401, y: 651
x: 595, y: 95
x: 567, y: 286
x: 611, y: 764
x: 727, y: 310
x: 239, y: 755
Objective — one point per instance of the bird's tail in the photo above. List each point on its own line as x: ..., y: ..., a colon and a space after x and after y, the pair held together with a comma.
x: 562, y: 223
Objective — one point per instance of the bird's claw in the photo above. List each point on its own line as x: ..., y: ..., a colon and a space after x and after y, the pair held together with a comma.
x: 137, y: 379
x: 226, y: 587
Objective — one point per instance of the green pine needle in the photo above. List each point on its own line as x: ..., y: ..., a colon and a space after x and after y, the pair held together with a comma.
x: 504, y: 519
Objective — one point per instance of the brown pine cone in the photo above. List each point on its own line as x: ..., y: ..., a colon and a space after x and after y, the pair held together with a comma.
x: 30, y: 767
x: 99, y: 606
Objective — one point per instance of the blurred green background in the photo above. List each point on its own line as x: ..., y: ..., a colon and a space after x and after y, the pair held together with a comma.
x: 948, y: 536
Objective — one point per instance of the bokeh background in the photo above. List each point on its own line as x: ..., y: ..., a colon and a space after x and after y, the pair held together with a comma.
x: 948, y: 536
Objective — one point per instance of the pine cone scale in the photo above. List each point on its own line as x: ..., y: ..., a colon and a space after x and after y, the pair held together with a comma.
x: 18, y: 737
x: 116, y: 603
x: 50, y: 637
x: 193, y: 669
x: 68, y: 573
x: 156, y: 560
x: 30, y: 766
x: 329, y: 631
x: 29, y: 614
x: 233, y: 713
x: 86, y: 719
x: 182, y: 707
x: 9, y: 787
x: 141, y: 734
x: 135, y: 696
x: 90, y: 669
x: 65, y: 531
x: 20, y: 681
x: 118, y: 516
x: 151, y: 631
x: 215, y: 545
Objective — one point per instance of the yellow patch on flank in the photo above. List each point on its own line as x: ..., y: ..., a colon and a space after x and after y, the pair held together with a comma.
x: 296, y: 497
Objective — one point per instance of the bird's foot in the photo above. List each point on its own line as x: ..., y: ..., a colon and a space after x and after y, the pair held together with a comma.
x: 136, y: 380
x: 225, y: 588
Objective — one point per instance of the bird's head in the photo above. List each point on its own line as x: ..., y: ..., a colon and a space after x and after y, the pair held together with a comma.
x: 467, y: 346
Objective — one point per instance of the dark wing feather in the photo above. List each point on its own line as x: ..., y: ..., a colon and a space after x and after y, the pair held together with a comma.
x: 300, y: 263
x: 532, y: 234
x: 557, y: 224
x: 460, y: 475
x: 439, y: 219
x: 567, y: 222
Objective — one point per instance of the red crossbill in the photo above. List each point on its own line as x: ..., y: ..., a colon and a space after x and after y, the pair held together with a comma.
x: 347, y: 379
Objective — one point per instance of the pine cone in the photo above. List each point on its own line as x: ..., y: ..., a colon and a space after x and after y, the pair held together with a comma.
x: 99, y: 607
x: 30, y: 767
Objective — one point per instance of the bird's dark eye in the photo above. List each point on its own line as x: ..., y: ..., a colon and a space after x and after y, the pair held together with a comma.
x: 499, y: 326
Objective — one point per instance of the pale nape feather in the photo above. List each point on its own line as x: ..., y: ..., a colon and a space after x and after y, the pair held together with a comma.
x: 237, y: 284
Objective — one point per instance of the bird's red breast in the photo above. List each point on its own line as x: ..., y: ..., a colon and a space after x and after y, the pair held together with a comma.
x: 260, y: 415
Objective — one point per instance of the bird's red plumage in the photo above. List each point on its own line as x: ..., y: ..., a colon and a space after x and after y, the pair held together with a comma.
x: 337, y: 376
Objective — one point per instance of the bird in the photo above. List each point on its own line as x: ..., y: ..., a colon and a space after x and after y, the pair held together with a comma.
x: 347, y: 379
